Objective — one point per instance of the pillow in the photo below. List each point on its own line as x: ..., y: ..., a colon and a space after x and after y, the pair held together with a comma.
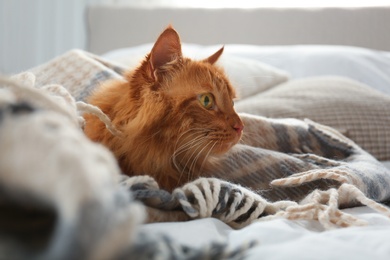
x: 247, y: 75
x: 250, y: 76
x: 371, y: 67
x: 358, y: 111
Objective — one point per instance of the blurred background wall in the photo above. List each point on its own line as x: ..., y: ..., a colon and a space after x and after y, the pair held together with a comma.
x: 34, y: 31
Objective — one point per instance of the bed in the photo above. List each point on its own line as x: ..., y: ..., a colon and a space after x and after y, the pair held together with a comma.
x: 318, y: 66
x: 339, y: 77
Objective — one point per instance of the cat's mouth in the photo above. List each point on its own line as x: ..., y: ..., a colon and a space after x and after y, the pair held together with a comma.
x: 197, y: 144
x: 192, y: 150
x: 225, y: 145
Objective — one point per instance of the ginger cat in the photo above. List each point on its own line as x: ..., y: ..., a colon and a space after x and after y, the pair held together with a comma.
x: 175, y: 115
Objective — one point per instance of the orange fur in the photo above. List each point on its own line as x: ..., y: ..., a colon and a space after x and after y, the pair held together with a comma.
x: 167, y: 132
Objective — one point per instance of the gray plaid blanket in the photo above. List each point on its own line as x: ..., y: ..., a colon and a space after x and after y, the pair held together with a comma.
x: 63, y: 197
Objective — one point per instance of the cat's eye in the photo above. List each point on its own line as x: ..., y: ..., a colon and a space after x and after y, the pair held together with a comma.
x: 207, y: 100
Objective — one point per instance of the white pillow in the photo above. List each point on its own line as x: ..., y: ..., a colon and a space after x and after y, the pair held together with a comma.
x: 250, y: 76
x: 247, y: 75
x: 370, y: 67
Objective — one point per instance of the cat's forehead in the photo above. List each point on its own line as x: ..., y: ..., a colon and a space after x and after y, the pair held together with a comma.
x: 210, y: 78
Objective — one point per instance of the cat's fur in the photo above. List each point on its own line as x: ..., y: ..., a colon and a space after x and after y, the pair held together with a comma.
x: 168, y: 133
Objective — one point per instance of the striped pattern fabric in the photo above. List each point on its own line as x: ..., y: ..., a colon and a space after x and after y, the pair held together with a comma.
x: 265, y: 177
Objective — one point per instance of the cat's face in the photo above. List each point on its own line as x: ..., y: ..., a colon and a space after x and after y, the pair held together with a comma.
x: 202, y: 100
x: 190, y: 103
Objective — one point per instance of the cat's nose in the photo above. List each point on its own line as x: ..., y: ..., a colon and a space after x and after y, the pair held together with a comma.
x: 238, y: 127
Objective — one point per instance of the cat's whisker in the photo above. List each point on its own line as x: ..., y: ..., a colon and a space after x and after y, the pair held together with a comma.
x: 193, y: 145
x: 186, y: 146
x: 182, y: 169
x: 192, y: 169
x: 195, y: 160
x: 186, y: 132
x: 194, y: 150
x: 207, y: 155
x: 202, y: 131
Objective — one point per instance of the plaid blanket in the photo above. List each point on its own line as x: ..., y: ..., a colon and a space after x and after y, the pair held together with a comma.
x: 63, y: 197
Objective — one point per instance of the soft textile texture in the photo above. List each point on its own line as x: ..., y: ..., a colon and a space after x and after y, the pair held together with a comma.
x: 359, y: 112
x: 78, y: 71
x: 320, y: 185
x: 60, y: 193
x: 61, y: 182
x: 287, y: 239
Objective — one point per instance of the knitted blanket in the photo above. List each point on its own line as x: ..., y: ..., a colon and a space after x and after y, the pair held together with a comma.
x: 60, y: 194
x: 63, y: 197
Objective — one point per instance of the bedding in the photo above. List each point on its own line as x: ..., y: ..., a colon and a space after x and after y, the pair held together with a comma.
x: 255, y: 239
x: 362, y: 115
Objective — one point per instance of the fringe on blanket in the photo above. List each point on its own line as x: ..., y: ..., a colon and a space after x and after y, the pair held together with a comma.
x: 238, y: 206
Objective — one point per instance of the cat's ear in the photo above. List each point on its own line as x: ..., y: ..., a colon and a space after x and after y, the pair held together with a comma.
x: 166, y: 49
x: 213, y: 58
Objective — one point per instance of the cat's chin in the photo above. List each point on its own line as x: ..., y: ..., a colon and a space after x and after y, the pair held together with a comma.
x: 226, y: 146
x: 223, y: 148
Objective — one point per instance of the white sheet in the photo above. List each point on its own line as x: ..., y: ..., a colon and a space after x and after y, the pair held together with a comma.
x: 289, y: 239
x: 286, y: 239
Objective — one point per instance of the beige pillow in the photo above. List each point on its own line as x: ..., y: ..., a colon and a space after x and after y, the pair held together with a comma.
x: 359, y: 112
